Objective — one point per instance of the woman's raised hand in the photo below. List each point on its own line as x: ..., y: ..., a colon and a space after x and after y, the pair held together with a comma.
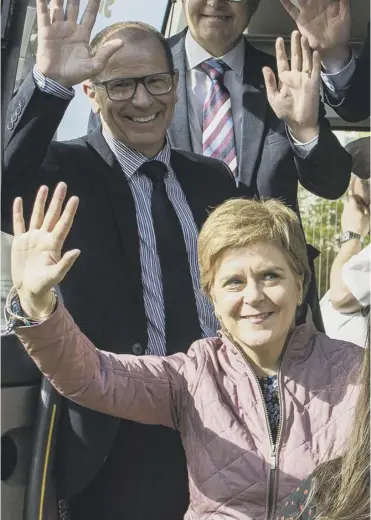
x: 37, y: 264
x: 63, y: 44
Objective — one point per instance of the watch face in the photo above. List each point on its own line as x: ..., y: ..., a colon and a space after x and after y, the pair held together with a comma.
x: 346, y: 236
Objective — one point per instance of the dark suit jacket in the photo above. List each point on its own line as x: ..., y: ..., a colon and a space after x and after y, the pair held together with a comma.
x: 145, y: 470
x: 356, y: 104
x: 269, y: 163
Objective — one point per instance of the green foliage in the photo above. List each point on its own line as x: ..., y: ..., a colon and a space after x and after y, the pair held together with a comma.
x: 321, y: 221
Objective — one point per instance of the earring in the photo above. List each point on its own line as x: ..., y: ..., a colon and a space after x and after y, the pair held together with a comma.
x: 300, y: 301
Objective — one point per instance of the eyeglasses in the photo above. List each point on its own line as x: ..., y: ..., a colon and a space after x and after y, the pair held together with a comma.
x: 121, y: 89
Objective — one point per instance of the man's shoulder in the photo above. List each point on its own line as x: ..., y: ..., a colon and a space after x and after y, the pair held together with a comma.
x: 196, y: 159
x: 177, y: 39
x: 258, y: 56
x: 203, y: 175
x: 62, y: 154
x: 68, y: 145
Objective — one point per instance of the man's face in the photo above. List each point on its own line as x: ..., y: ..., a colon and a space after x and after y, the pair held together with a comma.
x: 217, y: 25
x: 140, y: 122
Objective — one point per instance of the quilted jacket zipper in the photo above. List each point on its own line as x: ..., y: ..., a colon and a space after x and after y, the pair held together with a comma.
x: 270, y: 504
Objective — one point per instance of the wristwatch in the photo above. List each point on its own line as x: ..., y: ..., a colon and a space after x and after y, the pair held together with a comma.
x: 348, y: 235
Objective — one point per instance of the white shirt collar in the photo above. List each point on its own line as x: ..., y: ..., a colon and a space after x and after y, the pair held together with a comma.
x: 131, y: 160
x: 196, y: 54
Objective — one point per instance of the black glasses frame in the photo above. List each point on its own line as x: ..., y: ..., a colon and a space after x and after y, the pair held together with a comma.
x: 140, y: 80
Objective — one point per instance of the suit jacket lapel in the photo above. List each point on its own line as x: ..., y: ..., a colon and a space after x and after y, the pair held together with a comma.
x: 254, y: 103
x: 178, y: 132
x: 124, y: 211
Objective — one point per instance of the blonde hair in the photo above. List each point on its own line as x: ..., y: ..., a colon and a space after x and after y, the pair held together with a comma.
x: 341, y: 487
x: 239, y: 222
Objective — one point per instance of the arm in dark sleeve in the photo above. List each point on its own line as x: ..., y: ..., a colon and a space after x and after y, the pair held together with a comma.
x: 326, y: 170
x: 355, y: 105
x: 32, y: 119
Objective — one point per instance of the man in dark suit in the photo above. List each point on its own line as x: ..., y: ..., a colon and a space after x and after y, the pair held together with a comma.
x: 346, y: 77
x: 142, y: 288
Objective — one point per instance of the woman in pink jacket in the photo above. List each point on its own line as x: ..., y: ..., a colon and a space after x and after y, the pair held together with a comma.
x: 258, y: 407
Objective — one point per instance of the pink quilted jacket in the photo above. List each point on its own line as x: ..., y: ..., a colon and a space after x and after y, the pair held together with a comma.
x: 213, y: 397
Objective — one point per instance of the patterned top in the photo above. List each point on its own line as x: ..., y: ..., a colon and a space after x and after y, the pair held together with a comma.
x: 295, y: 507
x: 269, y: 386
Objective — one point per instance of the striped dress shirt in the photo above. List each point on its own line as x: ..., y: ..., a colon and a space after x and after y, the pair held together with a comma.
x: 141, y: 188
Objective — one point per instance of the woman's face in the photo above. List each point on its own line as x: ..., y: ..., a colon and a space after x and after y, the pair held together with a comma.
x: 255, y: 294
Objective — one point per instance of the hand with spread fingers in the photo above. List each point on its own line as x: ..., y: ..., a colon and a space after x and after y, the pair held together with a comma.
x: 37, y: 261
x: 63, y: 44
x: 295, y: 97
x: 326, y: 24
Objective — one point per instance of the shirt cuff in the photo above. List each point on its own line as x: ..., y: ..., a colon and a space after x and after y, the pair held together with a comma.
x: 339, y: 81
x: 49, y: 86
x: 303, y: 149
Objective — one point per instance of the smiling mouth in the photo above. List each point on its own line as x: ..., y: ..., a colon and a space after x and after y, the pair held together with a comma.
x: 143, y: 120
x: 258, y: 318
x: 213, y: 17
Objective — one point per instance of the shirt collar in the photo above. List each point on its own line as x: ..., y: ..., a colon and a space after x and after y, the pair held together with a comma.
x: 196, y: 54
x: 131, y: 160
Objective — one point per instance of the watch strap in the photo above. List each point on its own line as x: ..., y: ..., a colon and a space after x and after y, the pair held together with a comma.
x: 348, y: 235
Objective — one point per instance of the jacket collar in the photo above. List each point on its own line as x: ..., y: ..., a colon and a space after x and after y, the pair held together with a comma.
x: 299, y: 338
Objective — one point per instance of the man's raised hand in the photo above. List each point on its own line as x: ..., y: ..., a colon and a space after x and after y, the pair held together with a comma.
x: 295, y: 97
x: 63, y: 44
x: 327, y: 26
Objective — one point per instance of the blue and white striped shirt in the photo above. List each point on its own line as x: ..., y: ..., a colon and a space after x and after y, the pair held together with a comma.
x: 141, y: 187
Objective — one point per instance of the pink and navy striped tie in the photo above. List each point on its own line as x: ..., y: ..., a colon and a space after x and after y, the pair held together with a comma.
x: 217, y: 133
